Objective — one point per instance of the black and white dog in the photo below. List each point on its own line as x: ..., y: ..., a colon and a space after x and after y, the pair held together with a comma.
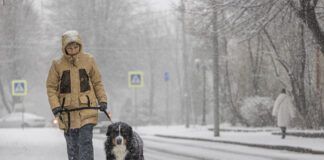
x: 123, y: 143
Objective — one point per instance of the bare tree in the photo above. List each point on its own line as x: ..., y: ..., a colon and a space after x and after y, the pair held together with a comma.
x: 309, y: 11
x: 269, y: 33
x: 19, y: 37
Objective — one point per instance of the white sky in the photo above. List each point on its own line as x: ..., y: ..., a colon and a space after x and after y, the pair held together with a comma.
x: 156, y: 4
x: 163, y: 4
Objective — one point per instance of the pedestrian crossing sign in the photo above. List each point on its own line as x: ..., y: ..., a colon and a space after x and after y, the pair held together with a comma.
x: 19, y: 87
x: 135, y: 79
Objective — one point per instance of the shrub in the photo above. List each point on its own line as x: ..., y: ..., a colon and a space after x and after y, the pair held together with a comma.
x: 257, y: 111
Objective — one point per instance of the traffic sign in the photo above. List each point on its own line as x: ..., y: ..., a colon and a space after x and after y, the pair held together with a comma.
x: 19, y: 87
x: 166, y: 76
x: 135, y: 79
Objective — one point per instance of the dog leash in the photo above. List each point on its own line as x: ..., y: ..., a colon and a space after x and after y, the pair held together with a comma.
x: 68, y: 111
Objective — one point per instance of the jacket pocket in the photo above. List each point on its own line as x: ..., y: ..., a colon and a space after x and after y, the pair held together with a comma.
x: 84, y: 101
x: 88, y: 113
x: 66, y: 100
x: 64, y: 119
x: 65, y: 84
x: 88, y: 101
x: 84, y: 80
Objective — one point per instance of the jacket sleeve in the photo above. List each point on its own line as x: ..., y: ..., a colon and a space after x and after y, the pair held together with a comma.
x: 97, y: 83
x: 52, y: 86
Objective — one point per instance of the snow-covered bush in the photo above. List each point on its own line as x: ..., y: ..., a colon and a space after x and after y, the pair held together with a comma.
x: 257, y: 111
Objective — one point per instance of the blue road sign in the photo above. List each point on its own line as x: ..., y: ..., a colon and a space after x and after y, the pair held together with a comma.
x: 166, y: 76
x: 135, y: 79
x: 19, y: 87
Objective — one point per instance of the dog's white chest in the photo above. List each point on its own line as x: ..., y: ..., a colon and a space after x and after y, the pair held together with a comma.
x: 120, y: 152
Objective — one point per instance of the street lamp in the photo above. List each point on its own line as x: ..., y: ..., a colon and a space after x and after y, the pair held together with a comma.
x: 203, y: 65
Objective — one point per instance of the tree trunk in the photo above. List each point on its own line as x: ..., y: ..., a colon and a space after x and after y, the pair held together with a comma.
x: 308, y: 15
x: 3, y: 97
x: 152, y: 86
x: 178, y: 71
x: 234, y: 109
x: 186, y: 98
x: 256, y: 62
x: 297, y: 78
x: 215, y: 71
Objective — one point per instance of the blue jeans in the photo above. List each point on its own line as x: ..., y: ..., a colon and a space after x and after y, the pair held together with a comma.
x: 79, y: 143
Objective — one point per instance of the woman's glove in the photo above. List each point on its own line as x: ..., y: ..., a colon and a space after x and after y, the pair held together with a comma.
x: 103, y: 106
x: 57, y: 110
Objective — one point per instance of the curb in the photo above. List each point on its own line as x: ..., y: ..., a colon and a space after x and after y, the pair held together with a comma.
x: 274, y: 147
x: 245, y: 130
x: 276, y: 132
x: 301, y: 134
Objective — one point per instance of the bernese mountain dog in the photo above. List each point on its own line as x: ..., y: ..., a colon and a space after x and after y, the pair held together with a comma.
x: 123, y: 143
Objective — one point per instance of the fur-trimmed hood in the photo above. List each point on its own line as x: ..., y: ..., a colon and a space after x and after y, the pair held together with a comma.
x: 69, y: 37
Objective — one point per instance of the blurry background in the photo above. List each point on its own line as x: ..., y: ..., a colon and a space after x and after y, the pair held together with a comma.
x: 122, y: 35
x: 262, y: 47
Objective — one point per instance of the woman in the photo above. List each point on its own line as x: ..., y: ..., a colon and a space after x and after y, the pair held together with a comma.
x: 74, y: 81
x: 284, y: 111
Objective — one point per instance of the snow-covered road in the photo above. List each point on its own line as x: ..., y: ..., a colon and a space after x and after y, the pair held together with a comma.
x: 157, y: 148
x: 49, y: 144
x: 186, y: 149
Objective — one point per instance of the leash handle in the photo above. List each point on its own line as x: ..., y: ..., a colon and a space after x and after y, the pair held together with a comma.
x: 107, y: 116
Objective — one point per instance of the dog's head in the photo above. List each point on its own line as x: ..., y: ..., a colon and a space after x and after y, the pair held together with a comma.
x: 119, y: 133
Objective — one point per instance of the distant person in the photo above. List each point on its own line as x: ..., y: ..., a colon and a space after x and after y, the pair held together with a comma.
x: 74, y: 81
x: 284, y: 111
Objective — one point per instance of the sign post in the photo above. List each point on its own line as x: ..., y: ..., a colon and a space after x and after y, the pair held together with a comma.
x: 19, y: 89
x: 167, y: 113
x: 135, y: 81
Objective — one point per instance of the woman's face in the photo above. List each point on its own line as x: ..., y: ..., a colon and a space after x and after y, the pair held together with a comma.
x: 72, y: 49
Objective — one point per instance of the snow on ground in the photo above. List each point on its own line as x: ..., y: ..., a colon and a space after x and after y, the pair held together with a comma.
x: 18, y: 144
x: 220, y: 151
x: 49, y: 144
x: 245, y: 137
x: 37, y: 144
x: 189, y: 149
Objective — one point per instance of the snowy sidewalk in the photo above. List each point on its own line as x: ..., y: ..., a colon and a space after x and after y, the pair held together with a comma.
x: 253, y: 139
x: 38, y: 144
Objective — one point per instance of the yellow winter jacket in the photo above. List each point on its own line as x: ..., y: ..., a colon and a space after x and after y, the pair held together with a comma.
x: 77, y: 80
